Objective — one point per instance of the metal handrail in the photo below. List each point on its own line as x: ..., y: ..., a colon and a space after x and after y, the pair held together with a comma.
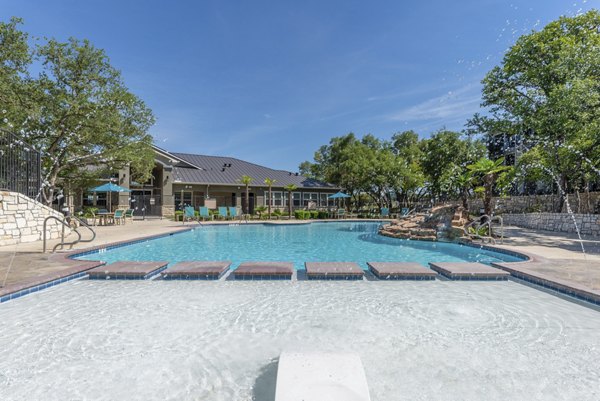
x: 488, y: 222
x: 86, y: 225
x: 62, y: 241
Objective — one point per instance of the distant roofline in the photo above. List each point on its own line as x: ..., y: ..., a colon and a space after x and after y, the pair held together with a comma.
x: 252, y: 186
x: 171, y: 155
x: 239, y: 160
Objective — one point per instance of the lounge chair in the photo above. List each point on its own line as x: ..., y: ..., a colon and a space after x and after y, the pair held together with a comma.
x: 385, y: 212
x: 189, y: 213
x: 223, y: 212
x: 341, y: 213
x: 233, y: 212
x: 128, y: 215
x: 119, y: 217
x: 204, y: 213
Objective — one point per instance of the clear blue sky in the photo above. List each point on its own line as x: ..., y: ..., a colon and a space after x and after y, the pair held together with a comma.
x: 271, y: 81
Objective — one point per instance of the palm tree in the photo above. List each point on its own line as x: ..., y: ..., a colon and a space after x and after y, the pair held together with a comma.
x: 270, y: 182
x: 488, y: 171
x: 290, y: 188
x: 260, y: 210
x: 247, y: 180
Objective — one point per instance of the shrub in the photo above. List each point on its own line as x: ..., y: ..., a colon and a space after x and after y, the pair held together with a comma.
x: 89, y: 211
x: 322, y: 214
x: 299, y: 214
x: 314, y: 214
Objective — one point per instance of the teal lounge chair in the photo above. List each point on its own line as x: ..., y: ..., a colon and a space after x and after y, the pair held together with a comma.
x: 341, y: 213
x: 385, y: 212
x: 119, y: 216
x: 233, y: 213
x: 128, y: 215
x: 189, y: 214
x: 223, y: 212
x: 204, y: 213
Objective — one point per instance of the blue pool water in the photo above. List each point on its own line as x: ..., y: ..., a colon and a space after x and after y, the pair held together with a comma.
x: 342, y: 242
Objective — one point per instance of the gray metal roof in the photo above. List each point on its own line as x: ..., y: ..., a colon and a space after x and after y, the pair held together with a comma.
x: 220, y: 170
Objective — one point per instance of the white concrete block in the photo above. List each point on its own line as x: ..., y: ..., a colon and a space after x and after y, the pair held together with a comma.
x: 317, y: 376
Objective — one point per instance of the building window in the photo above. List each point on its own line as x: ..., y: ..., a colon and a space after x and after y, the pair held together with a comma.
x: 323, y: 200
x: 311, y: 197
x: 297, y: 199
x: 187, y: 200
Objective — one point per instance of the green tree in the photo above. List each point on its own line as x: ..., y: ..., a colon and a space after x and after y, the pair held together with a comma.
x: 547, y: 86
x: 487, y: 172
x: 76, y: 110
x: 290, y: 188
x: 445, y: 155
x: 270, y: 182
x: 247, y: 180
x: 408, y: 184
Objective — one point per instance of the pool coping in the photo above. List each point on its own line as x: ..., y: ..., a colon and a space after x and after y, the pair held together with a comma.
x: 79, y: 267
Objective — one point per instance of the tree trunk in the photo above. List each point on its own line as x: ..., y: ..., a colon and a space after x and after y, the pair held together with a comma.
x: 487, y: 194
x: 247, y: 202
x: 465, y: 199
x: 269, y: 202
x: 561, y: 190
x: 289, y: 204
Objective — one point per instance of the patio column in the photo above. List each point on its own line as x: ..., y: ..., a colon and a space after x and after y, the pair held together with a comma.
x: 168, y: 200
x: 123, y: 181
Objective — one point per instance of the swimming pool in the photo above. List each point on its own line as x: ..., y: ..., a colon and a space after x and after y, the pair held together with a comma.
x: 327, y: 242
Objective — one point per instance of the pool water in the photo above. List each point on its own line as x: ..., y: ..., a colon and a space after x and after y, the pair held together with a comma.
x: 219, y: 341
x: 325, y: 242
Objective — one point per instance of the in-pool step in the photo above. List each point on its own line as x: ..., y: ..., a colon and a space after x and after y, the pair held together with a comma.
x: 264, y: 271
x: 401, y: 271
x: 127, y: 270
x: 196, y: 270
x: 468, y: 271
x: 333, y: 271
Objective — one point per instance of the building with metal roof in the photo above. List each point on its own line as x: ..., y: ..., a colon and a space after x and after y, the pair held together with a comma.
x: 182, y: 179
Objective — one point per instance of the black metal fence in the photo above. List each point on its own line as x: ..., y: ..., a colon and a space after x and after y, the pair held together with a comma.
x: 20, y: 165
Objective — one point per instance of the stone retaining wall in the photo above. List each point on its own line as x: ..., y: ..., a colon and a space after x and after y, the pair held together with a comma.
x: 541, y: 203
x: 22, y: 219
x: 589, y: 224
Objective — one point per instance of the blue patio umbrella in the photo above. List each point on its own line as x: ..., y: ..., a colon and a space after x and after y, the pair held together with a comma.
x: 339, y: 195
x: 110, y: 188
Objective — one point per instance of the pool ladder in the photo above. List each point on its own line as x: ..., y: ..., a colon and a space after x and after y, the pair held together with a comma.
x: 485, y: 221
x: 65, y: 223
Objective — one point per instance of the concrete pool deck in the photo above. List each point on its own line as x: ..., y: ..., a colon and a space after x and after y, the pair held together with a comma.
x: 555, y: 256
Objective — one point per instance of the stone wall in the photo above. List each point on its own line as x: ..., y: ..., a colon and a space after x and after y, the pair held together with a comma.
x: 22, y: 219
x: 540, y: 203
x: 589, y: 224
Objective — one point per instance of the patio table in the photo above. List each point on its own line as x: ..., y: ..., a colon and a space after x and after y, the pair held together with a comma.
x: 105, y: 217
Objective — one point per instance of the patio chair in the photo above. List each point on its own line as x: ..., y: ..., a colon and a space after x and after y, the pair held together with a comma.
x: 119, y: 217
x: 128, y: 215
x: 233, y: 212
x: 204, y: 213
x: 189, y: 213
x: 385, y: 212
x: 223, y: 212
x: 341, y: 213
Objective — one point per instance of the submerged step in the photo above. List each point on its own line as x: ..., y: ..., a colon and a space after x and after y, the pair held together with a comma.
x: 468, y: 271
x: 264, y: 271
x: 401, y: 271
x: 196, y: 270
x: 321, y: 376
x: 127, y: 270
x: 333, y: 271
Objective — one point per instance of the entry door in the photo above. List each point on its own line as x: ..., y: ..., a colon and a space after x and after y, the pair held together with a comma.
x: 250, y: 203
